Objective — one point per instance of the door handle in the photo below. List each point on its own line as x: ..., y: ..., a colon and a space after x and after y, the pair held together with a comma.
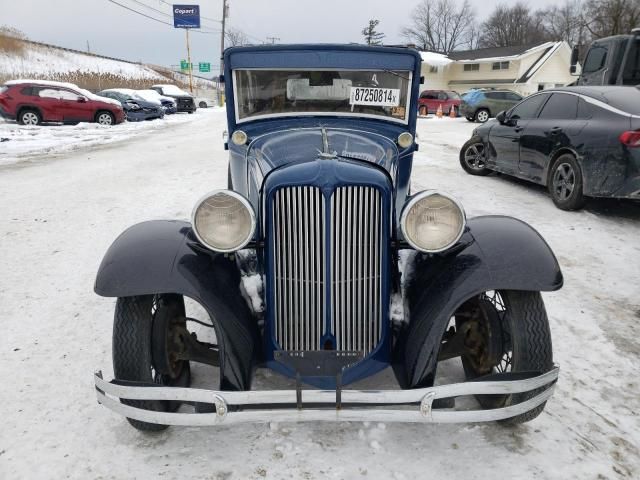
x: 518, y: 129
x: 556, y: 130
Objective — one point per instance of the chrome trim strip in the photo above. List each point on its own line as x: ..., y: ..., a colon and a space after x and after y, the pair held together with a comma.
x: 422, y: 412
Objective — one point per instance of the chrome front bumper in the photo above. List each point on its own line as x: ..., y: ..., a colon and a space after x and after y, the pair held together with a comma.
x: 412, y: 406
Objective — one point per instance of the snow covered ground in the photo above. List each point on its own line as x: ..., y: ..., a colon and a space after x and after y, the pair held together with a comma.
x: 27, y: 143
x: 60, y: 214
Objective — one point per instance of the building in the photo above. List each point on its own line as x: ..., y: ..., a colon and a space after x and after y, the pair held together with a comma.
x: 524, y: 69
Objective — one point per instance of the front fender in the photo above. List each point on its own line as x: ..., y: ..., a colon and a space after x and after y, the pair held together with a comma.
x: 496, y: 253
x: 164, y: 257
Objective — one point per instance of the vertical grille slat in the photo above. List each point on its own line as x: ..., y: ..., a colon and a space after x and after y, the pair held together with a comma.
x: 354, y: 267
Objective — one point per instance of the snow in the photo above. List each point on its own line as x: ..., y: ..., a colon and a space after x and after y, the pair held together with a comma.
x: 26, y: 143
x: 60, y: 214
x: 435, y: 59
x: 153, y: 96
x: 132, y: 94
x: 38, y: 60
x: 172, y: 90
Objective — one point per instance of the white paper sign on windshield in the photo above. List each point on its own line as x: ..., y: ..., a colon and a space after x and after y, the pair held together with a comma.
x: 379, y: 97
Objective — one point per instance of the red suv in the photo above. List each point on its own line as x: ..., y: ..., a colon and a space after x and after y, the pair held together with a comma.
x: 430, y: 100
x: 31, y: 102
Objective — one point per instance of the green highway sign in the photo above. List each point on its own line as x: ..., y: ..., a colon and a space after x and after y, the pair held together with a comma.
x: 204, y: 66
x: 184, y: 65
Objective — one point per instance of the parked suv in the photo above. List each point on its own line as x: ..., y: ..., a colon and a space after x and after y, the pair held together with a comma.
x: 481, y: 105
x: 183, y: 100
x: 31, y: 102
x: 430, y: 100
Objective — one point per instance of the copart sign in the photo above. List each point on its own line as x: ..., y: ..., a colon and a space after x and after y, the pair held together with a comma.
x: 186, y: 16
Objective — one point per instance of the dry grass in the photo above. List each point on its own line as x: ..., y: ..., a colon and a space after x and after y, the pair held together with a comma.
x: 11, y: 40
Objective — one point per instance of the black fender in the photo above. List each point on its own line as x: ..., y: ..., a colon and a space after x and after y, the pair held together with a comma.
x: 163, y: 256
x: 495, y: 252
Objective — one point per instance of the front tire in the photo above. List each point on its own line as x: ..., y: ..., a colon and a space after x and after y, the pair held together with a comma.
x: 141, y: 330
x: 482, y: 115
x: 29, y: 117
x: 565, y: 183
x: 509, y: 332
x: 203, y: 105
x: 473, y: 157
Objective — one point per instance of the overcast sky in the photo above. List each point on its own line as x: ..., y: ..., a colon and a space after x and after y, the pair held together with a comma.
x: 112, y: 30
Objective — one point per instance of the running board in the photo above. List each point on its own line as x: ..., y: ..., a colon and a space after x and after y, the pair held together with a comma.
x: 109, y: 395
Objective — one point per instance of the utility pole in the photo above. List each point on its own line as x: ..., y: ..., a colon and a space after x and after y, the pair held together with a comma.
x: 189, y: 62
x: 273, y: 39
x: 224, y: 17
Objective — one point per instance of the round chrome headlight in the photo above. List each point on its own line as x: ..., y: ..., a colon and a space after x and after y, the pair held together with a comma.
x: 239, y: 137
x: 223, y: 221
x: 432, y: 222
x: 405, y: 140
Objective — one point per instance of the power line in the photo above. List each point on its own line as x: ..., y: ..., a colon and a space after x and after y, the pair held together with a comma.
x: 208, y: 32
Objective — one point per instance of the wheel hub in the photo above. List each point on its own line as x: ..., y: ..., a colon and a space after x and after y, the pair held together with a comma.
x: 483, y: 340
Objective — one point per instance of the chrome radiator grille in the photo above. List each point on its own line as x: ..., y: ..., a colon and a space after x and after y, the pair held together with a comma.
x: 353, y: 270
x: 356, y: 214
x: 299, y: 267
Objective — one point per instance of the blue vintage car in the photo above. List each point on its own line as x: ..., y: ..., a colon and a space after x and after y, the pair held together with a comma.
x: 320, y: 211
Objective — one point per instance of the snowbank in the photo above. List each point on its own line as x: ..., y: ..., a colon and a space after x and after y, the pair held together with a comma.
x: 435, y: 59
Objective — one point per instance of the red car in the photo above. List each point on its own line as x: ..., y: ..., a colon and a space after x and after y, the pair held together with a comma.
x: 430, y: 100
x: 31, y: 102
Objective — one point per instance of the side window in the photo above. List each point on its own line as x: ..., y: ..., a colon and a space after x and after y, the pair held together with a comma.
x: 495, y: 95
x: 513, y: 96
x: 49, y: 93
x: 631, y: 71
x: 68, y: 95
x: 431, y: 96
x: 595, y: 59
x: 442, y: 96
x: 561, y: 106
x: 528, y: 108
x: 28, y: 91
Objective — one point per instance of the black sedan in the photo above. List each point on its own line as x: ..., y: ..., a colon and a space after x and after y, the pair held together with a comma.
x: 577, y: 141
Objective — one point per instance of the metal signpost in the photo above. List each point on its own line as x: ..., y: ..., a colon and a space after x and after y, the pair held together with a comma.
x: 187, y: 17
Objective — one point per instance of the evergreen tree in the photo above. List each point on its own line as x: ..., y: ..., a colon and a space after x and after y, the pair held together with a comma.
x: 371, y: 36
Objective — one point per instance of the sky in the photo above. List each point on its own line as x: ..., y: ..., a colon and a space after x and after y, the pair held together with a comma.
x: 111, y: 30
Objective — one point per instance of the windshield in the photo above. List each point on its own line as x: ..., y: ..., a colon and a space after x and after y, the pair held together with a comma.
x: 266, y: 93
x: 453, y: 95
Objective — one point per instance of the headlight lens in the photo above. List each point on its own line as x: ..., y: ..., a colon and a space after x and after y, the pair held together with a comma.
x: 224, y: 221
x: 405, y: 140
x: 239, y: 137
x: 432, y: 222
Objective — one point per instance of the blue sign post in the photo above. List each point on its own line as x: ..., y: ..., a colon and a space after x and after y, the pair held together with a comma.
x: 186, y: 16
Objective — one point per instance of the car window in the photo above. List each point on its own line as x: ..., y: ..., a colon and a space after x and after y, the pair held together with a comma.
x: 595, y: 59
x: 529, y: 107
x: 442, y: 96
x: 429, y: 95
x: 631, y: 72
x: 49, y: 93
x: 560, y: 106
x: 495, y: 95
x: 584, y: 110
x: 68, y: 95
x: 453, y: 95
x: 512, y: 96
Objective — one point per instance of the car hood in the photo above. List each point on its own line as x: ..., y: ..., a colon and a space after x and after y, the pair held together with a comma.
x: 276, y: 149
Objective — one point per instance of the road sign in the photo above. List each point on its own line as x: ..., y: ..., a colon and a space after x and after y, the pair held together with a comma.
x: 186, y: 16
x: 204, y: 66
x: 184, y: 65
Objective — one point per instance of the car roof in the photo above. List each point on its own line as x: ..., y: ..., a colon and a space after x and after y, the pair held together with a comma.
x: 42, y: 83
x: 618, y: 96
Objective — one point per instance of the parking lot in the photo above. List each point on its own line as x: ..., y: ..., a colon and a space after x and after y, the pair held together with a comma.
x: 61, y: 213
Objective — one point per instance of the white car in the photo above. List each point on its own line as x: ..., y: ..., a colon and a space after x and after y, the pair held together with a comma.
x: 203, y: 102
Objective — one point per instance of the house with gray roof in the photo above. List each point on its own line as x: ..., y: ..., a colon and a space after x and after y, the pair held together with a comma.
x: 525, y: 69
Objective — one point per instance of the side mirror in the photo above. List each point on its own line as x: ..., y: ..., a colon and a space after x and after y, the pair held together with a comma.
x: 501, y: 117
x: 573, y: 69
x: 82, y: 99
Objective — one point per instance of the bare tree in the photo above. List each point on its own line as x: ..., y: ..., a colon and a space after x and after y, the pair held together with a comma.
x: 515, y: 25
x: 441, y: 25
x: 565, y: 22
x: 235, y: 37
x: 603, y: 18
x: 371, y: 35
